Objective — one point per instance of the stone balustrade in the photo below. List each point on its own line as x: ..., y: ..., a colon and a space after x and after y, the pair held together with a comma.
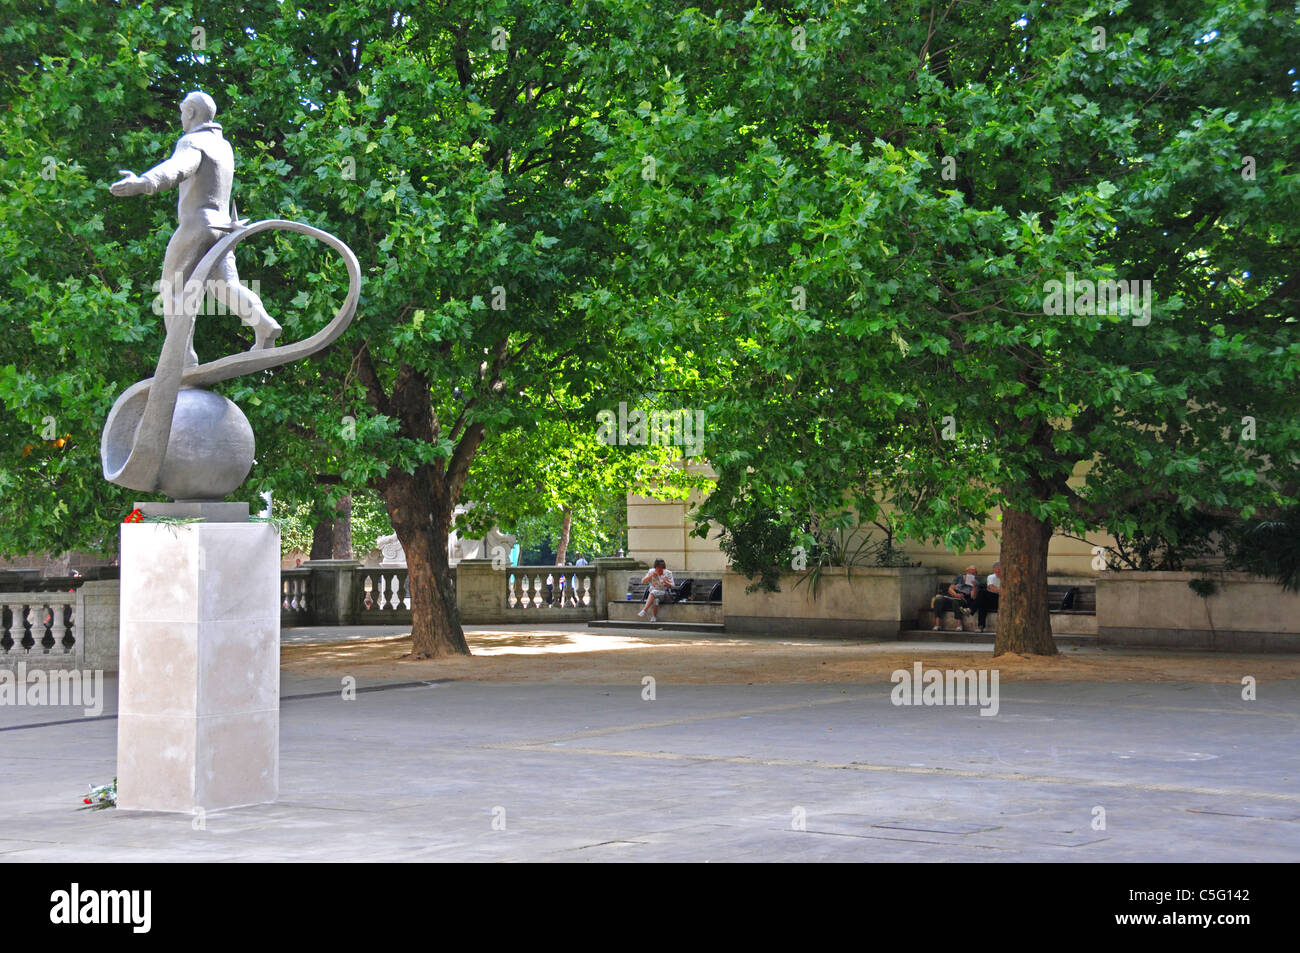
x: 343, y: 592
x: 61, y: 623
x: 488, y: 595
x: 381, y: 596
x: 548, y: 587
x: 73, y: 622
x: 36, y: 624
x: 295, y: 596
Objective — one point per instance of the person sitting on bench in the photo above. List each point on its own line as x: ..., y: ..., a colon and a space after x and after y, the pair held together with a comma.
x: 660, y: 581
x: 959, y: 599
x: 988, y: 597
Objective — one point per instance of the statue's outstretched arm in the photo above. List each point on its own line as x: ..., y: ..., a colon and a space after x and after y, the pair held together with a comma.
x: 170, y: 173
x: 183, y: 163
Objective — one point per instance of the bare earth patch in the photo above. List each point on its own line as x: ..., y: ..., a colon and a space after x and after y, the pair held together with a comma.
x: 579, y: 656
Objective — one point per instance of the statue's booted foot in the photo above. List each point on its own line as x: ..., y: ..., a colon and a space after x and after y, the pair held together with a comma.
x: 268, y: 332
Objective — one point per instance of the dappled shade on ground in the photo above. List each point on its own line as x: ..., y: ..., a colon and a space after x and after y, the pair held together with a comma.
x: 582, y: 656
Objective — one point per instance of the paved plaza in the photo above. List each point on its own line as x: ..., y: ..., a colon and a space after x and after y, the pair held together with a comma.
x: 474, y: 771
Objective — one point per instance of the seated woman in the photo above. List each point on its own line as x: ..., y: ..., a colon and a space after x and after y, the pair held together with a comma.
x: 660, y: 582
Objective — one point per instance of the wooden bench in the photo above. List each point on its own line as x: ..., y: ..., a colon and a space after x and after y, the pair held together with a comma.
x: 700, y: 589
x: 1085, y: 601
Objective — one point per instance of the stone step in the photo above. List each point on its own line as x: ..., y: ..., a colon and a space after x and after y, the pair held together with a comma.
x: 717, y: 627
x: 982, y: 638
x: 707, y: 613
x: 1063, y: 623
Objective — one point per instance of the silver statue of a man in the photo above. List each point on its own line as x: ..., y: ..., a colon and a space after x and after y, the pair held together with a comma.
x: 203, y: 166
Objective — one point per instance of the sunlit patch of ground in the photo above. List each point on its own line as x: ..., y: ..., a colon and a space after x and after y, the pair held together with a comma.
x: 488, y: 642
x: 580, y: 655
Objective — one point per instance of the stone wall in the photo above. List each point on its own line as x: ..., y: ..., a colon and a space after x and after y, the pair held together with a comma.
x: 480, y: 593
x: 1246, y: 613
x: 61, y: 564
x: 862, y: 603
x: 97, y: 610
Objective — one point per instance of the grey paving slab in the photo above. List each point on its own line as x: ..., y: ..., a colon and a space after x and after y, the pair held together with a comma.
x: 462, y: 771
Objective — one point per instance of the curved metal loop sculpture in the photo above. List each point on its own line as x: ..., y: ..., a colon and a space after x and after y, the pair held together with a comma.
x: 198, y: 451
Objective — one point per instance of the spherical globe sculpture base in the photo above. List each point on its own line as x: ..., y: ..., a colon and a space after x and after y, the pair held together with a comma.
x: 211, y: 448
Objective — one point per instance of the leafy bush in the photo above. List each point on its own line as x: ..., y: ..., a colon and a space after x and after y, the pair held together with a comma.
x: 1169, y: 539
x: 1270, y: 548
x: 758, y: 541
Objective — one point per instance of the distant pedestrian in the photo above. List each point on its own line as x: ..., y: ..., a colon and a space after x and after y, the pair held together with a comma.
x: 567, y: 590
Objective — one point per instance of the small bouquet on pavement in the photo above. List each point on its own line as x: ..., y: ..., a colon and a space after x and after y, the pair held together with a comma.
x: 100, y: 797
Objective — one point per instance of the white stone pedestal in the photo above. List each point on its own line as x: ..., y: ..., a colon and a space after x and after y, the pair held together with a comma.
x: 199, y: 679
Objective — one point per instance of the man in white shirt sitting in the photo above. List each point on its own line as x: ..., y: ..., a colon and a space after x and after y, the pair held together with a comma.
x: 988, y: 597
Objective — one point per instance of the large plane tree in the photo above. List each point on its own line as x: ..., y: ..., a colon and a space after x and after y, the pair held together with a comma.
x: 904, y: 225
x: 445, y: 143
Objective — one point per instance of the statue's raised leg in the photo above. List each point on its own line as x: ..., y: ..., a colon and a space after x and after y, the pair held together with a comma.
x: 244, y: 302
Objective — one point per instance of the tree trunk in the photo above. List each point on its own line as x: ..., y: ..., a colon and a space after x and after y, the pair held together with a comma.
x: 561, y: 551
x: 422, y: 503
x: 1024, y: 622
x: 322, y: 540
x: 342, y: 545
x: 421, y: 525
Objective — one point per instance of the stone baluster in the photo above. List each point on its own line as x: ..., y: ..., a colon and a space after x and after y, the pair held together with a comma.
x: 18, y: 629
x: 26, y: 634
x: 65, y: 632
x: 8, y: 640
x: 40, y: 618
